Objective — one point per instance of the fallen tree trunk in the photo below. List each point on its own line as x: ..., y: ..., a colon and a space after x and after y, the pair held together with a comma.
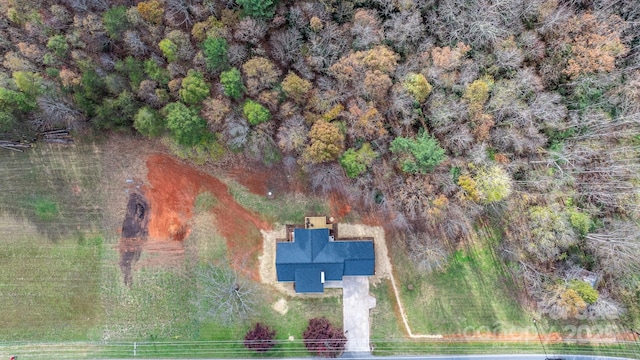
x: 57, y: 136
x: 10, y: 148
x: 58, y: 141
x: 13, y: 145
x: 53, y: 132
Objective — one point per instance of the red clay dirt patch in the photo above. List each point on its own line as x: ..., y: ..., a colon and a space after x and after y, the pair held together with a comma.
x: 339, y: 206
x: 173, y: 188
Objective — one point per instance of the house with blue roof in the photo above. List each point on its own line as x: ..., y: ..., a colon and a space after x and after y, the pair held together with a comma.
x: 312, y: 257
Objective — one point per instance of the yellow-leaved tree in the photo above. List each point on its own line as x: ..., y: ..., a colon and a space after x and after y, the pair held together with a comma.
x: 327, y: 142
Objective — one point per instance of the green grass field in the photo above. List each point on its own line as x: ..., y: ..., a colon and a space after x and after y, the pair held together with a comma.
x: 474, y: 293
x: 283, y: 209
x: 61, y: 286
x: 387, y: 338
x: 50, y: 245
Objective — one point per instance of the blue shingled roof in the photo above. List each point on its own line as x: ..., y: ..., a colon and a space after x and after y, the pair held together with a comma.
x: 312, y: 253
x: 309, y: 281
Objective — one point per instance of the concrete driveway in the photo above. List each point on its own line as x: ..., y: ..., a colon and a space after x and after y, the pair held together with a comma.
x: 356, y: 303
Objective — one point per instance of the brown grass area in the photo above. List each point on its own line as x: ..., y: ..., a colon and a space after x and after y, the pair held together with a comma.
x: 260, y: 179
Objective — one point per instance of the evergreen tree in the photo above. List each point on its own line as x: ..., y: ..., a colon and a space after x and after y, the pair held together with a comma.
x: 257, y: 8
x: 419, y: 155
x: 231, y: 81
x: 215, y: 53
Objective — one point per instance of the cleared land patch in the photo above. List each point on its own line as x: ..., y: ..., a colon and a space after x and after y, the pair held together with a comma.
x: 474, y: 292
x: 172, y: 192
x: 50, y: 246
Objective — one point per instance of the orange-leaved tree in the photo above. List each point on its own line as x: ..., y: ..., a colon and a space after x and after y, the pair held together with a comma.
x: 593, y: 44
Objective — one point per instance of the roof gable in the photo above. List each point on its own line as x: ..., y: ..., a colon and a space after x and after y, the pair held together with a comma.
x: 309, y: 280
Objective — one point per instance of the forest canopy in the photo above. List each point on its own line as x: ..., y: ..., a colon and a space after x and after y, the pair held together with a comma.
x: 441, y: 114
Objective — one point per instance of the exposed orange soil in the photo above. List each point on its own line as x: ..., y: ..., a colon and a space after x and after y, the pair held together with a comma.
x: 172, y: 190
x: 339, y: 206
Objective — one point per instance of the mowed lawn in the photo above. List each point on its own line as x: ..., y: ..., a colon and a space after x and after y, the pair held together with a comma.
x: 50, y: 246
x: 475, y: 293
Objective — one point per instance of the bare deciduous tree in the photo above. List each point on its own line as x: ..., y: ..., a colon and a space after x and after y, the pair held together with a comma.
x: 60, y: 18
x: 427, y: 253
x: 401, y: 111
x: 87, y: 5
x: 285, y: 45
x: 328, y: 45
x: 235, y: 132
x: 292, y: 135
x: 237, y: 54
x: 134, y: 43
x: 605, y: 308
x: 400, y: 222
x: 386, y: 7
x: 549, y: 110
x: 55, y: 112
x: 518, y: 140
x: 617, y: 246
x: 533, y: 49
x: 260, y: 145
x: 482, y: 23
x: 250, y: 30
x: 366, y: 29
x: 224, y: 295
x: 412, y: 197
x: 362, y: 190
x: 405, y: 30
x: 457, y: 138
x: 177, y: 13
x: 604, y: 176
x: 508, y: 54
x: 327, y: 178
